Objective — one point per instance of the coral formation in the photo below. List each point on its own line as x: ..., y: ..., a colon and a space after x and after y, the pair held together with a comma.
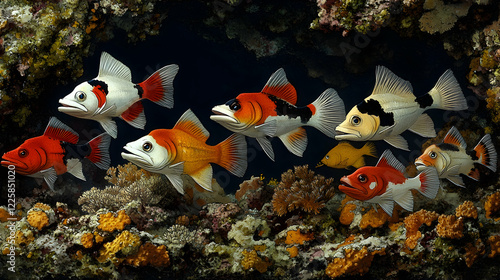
x: 413, y: 223
x: 111, y: 222
x: 449, y: 226
x: 354, y: 262
x: 492, y: 206
x: 149, y: 254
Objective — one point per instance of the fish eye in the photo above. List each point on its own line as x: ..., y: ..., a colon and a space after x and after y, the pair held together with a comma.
x: 355, y: 120
x: 80, y: 96
x: 327, y: 157
x: 147, y: 146
x: 233, y: 104
x: 23, y: 153
x: 362, y: 178
x: 433, y: 155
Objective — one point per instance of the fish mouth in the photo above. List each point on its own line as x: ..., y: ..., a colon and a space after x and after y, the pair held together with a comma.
x: 138, y: 157
x: 20, y: 166
x: 222, y: 114
x: 342, y: 133
x: 420, y: 165
x: 345, y: 182
x: 347, y: 188
x: 70, y: 106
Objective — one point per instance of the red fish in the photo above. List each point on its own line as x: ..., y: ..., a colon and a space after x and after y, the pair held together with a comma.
x: 56, y: 152
x: 385, y: 184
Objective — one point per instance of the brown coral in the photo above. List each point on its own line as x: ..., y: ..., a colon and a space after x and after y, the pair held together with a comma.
x: 301, y: 189
x: 347, y: 216
x: 466, y: 210
x: 252, y: 260
x: 123, y: 175
x: 494, y: 242
x: 492, y: 206
x: 413, y: 223
x: 354, y: 262
x: 109, y: 222
x: 473, y: 252
x: 449, y: 226
x: 150, y: 254
x: 248, y: 185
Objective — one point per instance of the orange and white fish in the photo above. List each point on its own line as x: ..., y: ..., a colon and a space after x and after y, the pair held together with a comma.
x: 385, y: 184
x: 392, y: 108
x: 272, y: 112
x: 344, y: 155
x: 182, y: 150
x: 112, y: 94
x: 451, y: 157
x: 56, y: 152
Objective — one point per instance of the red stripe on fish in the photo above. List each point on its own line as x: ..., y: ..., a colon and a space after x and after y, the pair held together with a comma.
x: 100, y: 94
x: 133, y: 111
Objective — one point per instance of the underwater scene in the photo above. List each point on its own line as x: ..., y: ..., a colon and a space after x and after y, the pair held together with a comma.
x: 249, y: 139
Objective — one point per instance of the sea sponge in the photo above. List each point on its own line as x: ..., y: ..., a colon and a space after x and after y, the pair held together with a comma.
x: 413, y: 223
x: 297, y: 237
x: 125, y: 244
x: 354, y: 262
x: 87, y: 240
x: 252, y: 260
x: 492, y: 206
x: 466, y: 210
x: 449, y: 226
x: 109, y: 222
x: 293, y: 251
x: 494, y: 242
x: 38, y: 219
x: 473, y: 252
x: 374, y: 219
x: 248, y: 185
x: 301, y: 189
x: 149, y: 254
x: 347, y: 214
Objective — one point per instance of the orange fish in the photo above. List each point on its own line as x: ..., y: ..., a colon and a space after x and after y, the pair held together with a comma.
x: 56, y: 152
x: 385, y: 184
x: 273, y: 113
x: 451, y: 157
x: 182, y: 150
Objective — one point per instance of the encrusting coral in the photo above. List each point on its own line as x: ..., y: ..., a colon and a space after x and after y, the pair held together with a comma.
x: 354, y: 262
x: 449, y: 226
x: 492, y: 206
x: 111, y: 222
x: 413, y: 223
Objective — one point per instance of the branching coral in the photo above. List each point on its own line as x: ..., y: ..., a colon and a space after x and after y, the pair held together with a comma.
x: 301, y: 189
x: 449, y: 226
x: 354, y: 262
x: 413, y: 223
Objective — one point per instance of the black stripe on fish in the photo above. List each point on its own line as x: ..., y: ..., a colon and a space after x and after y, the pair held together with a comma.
x: 372, y: 107
x: 473, y: 154
x: 448, y: 147
x: 101, y: 84
x: 424, y: 101
x: 140, y: 90
x: 284, y: 108
x: 75, y: 151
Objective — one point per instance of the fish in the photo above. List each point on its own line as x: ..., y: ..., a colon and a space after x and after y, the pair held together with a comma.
x: 112, y: 94
x: 272, y: 112
x: 451, y: 158
x: 344, y: 155
x: 182, y: 150
x: 392, y: 108
x: 385, y: 184
x: 57, y: 152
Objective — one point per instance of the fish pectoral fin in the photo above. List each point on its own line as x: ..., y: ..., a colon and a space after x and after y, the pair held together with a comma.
x: 387, y: 202
x: 110, y: 111
x: 360, y: 162
x: 111, y: 67
x: 74, y: 167
x: 173, y: 174
x: 424, y: 126
x: 50, y: 176
x: 457, y: 180
x: 266, y: 146
x: 295, y: 141
x: 109, y: 126
x: 203, y: 177
x: 269, y: 128
x: 134, y: 115
x: 397, y: 141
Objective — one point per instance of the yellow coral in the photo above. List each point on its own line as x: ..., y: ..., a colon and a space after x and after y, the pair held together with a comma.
x: 466, y: 210
x: 413, y: 223
x: 252, y: 260
x: 98, y: 237
x: 449, y: 226
x: 150, y: 254
x: 38, y: 219
x: 374, y: 219
x: 492, y: 206
x: 42, y: 206
x: 126, y: 243
x: 297, y: 237
x: 293, y: 251
x: 87, y: 240
x: 24, y: 239
x: 354, y: 262
x: 109, y: 222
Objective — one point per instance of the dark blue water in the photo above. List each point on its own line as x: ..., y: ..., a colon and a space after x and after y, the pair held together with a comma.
x: 212, y: 72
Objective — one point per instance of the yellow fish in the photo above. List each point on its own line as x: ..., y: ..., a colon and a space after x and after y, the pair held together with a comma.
x: 344, y: 155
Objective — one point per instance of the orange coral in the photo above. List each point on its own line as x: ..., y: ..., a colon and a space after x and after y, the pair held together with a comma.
x: 354, y: 262
x: 150, y: 254
x: 301, y: 189
x: 125, y: 244
x: 347, y: 216
x: 109, y: 222
x: 42, y: 206
x: 22, y: 239
x: 252, y: 260
x: 466, y: 210
x: 492, y: 206
x: 38, y: 219
x: 374, y: 219
x: 123, y: 175
x: 293, y: 251
x: 253, y: 184
x: 182, y: 220
x: 87, y: 240
x: 494, y: 242
x: 413, y: 223
x: 297, y: 237
x: 449, y: 226
x: 98, y: 237
x: 473, y: 252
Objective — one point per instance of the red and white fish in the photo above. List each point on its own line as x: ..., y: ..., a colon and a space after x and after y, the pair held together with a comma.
x: 182, y: 150
x: 451, y: 158
x: 385, y: 184
x: 112, y: 94
x: 272, y: 112
x: 393, y: 108
x: 57, y: 152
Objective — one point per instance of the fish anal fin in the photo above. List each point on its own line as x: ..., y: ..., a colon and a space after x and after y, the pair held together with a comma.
x: 360, y: 162
x: 474, y: 174
x: 111, y: 67
x: 58, y: 130
x: 397, y: 141
x: 295, y: 141
x: 203, y: 177
x: 424, y: 126
x: 134, y: 115
x: 278, y: 86
x: 455, y: 138
x: 109, y: 126
x: 75, y: 168
x: 190, y: 124
x: 265, y: 143
x: 457, y: 180
x: 387, y: 159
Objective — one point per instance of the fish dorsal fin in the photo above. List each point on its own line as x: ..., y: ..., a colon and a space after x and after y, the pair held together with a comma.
x: 110, y: 67
x: 387, y: 159
x: 190, y: 124
x: 58, y: 130
x: 388, y: 82
x: 279, y: 86
x: 455, y: 138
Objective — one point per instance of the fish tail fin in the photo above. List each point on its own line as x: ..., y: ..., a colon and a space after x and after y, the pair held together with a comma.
x: 446, y: 94
x: 429, y: 182
x: 486, y: 153
x: 159, y: 87
x: 369, y: 149
x: 99, y: 151
x: 328, y: 111
x: 233, y: 154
